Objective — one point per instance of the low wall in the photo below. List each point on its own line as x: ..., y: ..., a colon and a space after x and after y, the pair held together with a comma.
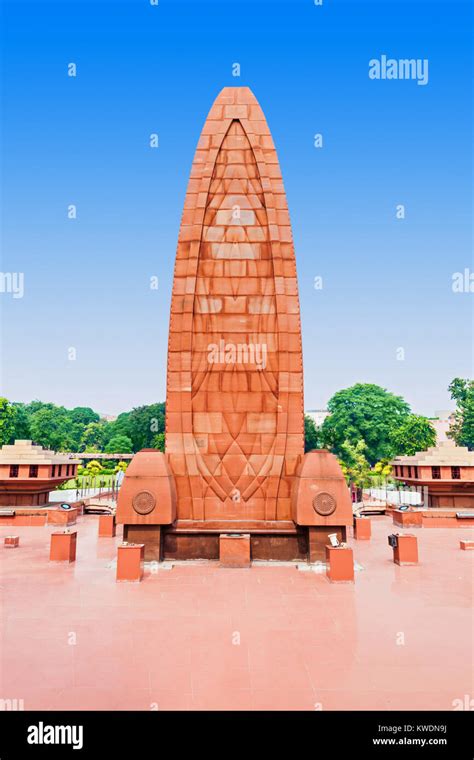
x: 38, y: 517
x: 443, y: 518
x: 429, y: 518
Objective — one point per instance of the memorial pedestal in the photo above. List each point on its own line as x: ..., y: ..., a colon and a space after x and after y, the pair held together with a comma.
x: 130, y: 561
x: 106, y: 526
x: 11, y: 542
x: 362, y: 528
x: 406, y: 551
x: 234, y: 549
x: 340, y: 563
x: 63, y: 547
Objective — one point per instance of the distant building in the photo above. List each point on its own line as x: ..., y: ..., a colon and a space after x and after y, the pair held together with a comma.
x: 29, y: 472
x: 447, y: 470
x: 318, y: 415
x: 441, y: 422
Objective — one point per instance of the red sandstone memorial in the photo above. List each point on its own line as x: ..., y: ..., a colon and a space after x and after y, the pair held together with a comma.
x: 234, y: 461
x: 234, y: 486
x: 446, y: 469
x: 28, y: 473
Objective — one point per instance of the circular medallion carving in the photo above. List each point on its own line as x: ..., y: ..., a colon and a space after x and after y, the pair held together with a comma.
x: 143, y: 502
x: 324, y: 504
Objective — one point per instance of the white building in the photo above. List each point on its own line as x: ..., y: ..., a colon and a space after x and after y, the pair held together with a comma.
x: 318, y: 415
x: 442, y: 421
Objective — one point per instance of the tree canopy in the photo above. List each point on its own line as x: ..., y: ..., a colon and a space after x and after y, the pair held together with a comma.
x: 119, y: 444
x: 311, y: 434
x: 415, y: 433
x: 141, y: 425
x: 462, y: 430
x: 7, y: 421
x: 354, y: 463
x: 159, y: 442
x: 51, y: 426
x: 364, y: 412
x: 81, y: 428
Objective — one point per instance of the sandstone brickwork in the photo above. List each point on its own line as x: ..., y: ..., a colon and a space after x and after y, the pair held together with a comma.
x: 234, y: 408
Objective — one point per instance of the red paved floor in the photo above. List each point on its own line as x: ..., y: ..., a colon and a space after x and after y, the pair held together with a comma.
x: 203, y: 637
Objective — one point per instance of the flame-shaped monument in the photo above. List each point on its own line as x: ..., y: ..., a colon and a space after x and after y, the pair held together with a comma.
x: 234, y: 462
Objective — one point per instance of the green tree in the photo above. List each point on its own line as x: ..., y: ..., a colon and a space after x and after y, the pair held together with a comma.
x: 80, y: 417
x: 144, y: 423
x: 36, y: 405
x: 462, y: 430
x: 51, y: 427
x: 119, y: 444
x: 93, y: 436
x: 21, y: 423
x: 83, y: 415
x: 364, y: 412
x: 311, y: 434
x: 415, y: 433
x: 7, y: 420
x: 141, y: 425
x: 354, y: 463
x: 381, y: 473
x: 159, y: 442
x: 120, y: 426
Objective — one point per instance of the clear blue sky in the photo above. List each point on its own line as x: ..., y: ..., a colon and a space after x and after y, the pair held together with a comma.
x: 144, y: 69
